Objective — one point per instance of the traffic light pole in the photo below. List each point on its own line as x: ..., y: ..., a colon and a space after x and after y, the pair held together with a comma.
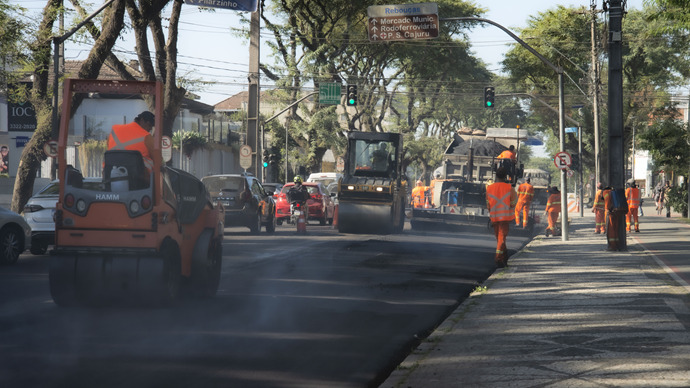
x: 561, y: 109
x: 286, y: 128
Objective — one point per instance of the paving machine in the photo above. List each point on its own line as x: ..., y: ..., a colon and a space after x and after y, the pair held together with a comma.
x: 141, y: 235
x: 457, y: 194
x: 372, y: 192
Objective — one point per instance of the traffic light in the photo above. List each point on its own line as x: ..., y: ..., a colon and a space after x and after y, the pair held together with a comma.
x: 351, y: 95
x: 489, y: 93
x: 575, y: 162
x: 265, y: 158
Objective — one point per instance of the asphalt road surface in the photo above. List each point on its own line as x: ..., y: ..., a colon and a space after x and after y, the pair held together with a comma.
x: 322, y: 310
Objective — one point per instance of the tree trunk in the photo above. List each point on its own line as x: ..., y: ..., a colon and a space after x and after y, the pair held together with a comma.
x: 33, y: 154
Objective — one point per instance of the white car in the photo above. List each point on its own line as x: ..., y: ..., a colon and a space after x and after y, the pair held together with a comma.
x: 15, y: 236
x: 39, y: 211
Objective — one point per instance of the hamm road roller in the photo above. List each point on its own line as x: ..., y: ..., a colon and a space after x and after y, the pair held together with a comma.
x: 372, y: 192
x: 144, y: 234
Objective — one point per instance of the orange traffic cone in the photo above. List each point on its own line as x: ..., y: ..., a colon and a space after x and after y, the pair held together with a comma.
x: 427, y: 205
x: 302, y: 223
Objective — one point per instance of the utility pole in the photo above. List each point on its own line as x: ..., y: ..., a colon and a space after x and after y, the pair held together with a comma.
x: 616, y: 171
x: 594, y: 72
x: 254, y: 95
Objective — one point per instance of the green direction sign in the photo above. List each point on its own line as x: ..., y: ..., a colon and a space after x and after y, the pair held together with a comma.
x: 329, y: 93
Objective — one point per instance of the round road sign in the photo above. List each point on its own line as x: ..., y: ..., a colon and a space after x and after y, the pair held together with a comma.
x: 245, y: 156
x: 166, y: 148
x: 562, y: 160
x: 51, y: 148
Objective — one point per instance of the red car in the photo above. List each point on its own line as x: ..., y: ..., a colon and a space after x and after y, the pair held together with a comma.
x: 320, y: 203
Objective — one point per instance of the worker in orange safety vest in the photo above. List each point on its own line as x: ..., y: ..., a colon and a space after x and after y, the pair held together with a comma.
x: 135, y: 136
x: 525, y: 194
x: 553, y: 209
x: 599, y: 210
x: 418, y: 194
x: 612, y: 220
x: 500, y: 200
x: 508, y: 154
x: 632, y: 195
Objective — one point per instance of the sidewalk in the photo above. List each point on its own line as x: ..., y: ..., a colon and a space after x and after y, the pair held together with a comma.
x: 565, y: 314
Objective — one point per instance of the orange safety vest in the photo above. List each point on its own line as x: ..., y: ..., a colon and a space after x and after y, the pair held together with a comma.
x: 418, y: 196
x: 554, y: 203
x: 608, y: 200
x: 130, y: 137
x: 501, y: 199
x: 632, y: 194
x: 525, y: 193
x: 599, y: 200
x: 507, y: 155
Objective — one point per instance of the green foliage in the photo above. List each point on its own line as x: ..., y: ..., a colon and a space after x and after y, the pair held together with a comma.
x: 666, y: 139
x: 191, y: 141
x: 11, y: 38
x: 677, y: 198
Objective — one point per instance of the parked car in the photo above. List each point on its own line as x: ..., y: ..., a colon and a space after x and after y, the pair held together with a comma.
x: 15, y: 236
x: 320, y: 203
x: 244, y: 199
x: 273, y: 188
x: 39, y: 211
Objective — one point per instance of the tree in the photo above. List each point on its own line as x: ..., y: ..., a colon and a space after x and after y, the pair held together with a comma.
x: 11, y: 40
x: 38, y: 64
x: 325, y: 41
x: 654, y: 62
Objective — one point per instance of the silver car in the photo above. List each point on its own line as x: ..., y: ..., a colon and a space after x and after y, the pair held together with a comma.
x: 39, y: 211
x: 15, y: 236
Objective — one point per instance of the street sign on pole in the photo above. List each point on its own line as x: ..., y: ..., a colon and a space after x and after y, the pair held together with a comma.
x: 245, y: 156
x: 398, y: 22
x: 166, y: 148
x: 329, y: 93
x: 562, y: 160
x: 237, y: 5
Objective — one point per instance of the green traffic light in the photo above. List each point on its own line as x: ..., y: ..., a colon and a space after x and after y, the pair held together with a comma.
x: 265, y: 164
x: 488, y: 103
x: 352, y: 101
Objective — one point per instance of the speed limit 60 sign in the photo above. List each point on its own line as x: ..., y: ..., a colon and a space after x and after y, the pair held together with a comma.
x: 562, y: 160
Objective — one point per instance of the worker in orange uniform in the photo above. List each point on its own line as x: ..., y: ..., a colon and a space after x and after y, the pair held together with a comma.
x: 599, y: 210
x: 632, y: 196
x: 553, y: 209
x: 508, y: 154
x: 612, y: 216
x: 525, y: 194
x: 418, y: 194
x: 500, y: 200
x: 135, y: 136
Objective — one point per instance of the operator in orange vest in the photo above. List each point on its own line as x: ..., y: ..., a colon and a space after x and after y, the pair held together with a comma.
x: 553, y: 209
x: 500, y: 200
x: 135, y: 136
x: 599, y: 210
x: 508, y: 154
x: 418, y: 194
x: 525, y: 194
x: 632, y: 195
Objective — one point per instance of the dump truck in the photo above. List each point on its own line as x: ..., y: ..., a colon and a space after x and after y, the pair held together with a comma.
x: 457, y: 194
x: 141, y: 235
x: 372, y: 191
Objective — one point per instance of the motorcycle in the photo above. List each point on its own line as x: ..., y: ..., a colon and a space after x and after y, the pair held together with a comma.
x: 298, y: 215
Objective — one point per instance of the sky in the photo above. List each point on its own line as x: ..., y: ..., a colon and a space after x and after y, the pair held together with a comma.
x: 209, y: 51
